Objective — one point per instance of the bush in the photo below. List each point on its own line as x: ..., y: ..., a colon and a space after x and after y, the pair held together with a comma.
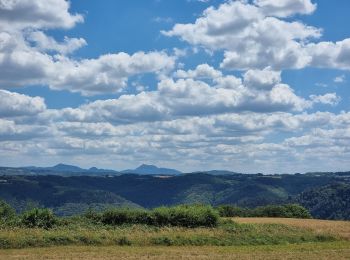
x: 297, y: 211
x: 271, y: 211
x: 233, y: 211
x: 6, y: 212
x: 186, y: 216
x: 125, y: 216
x: 281, y: 211
x: 40, y: 218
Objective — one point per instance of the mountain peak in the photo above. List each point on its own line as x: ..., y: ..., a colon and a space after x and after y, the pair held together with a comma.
x: 66, y: 167
x: 147, y: 166
x: 149, y: 169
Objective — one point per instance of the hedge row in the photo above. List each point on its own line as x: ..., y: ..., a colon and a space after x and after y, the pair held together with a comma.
x: 281, y: 211
x: 184, y: 215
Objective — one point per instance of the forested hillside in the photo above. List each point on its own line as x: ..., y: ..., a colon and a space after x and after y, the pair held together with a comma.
x: 325, y: 195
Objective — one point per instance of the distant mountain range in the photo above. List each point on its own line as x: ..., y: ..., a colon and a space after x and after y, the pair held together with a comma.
x: 66, y: 168
x: 145, y: 169
x: 72, y: 170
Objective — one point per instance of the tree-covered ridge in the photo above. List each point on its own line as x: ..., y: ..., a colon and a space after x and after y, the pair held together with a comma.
x: 75, y: 194
x: 328, y: 202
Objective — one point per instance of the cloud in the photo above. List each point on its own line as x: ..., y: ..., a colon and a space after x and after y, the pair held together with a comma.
x: 23, y: 65
x: 339, y: 79
x: 144, y: 127
x: 330, y: 55
x: 202, y: 71
x: 262, y: 79
x: 328, y: 99
x: 14, y: 104
x: 189, y: 96
x: 46, y: 43
x: 204, y: 117
x: 242, y: 138
x: 285, y: 8
x: 163, y: 19
x: 18, y: 15
x: 28, y: 56
x: 253, y: 36
x: 107, y: 74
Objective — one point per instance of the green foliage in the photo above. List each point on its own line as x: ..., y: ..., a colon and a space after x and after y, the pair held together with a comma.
x: 120, y: 216
x: 297, y: 211
x: 233, y: 211
x: 7, y: 213
x: 69, y: 196
x: 38, y: 218
x: 328, y: 202
x: 227, y: 233
x: 281, y: 211
x: 184, y: 216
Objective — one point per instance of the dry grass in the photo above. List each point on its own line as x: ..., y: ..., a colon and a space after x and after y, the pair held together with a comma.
x: 142, y: 249
x: 226, y: 234
x: 336, y: 228
x: 319, y: 251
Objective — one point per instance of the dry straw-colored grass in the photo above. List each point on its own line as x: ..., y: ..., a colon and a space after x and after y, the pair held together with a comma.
x: 317, y: 251
x: 335, y: 228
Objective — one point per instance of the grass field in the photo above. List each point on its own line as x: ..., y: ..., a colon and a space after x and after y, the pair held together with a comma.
x: 319, y: 251
x: 251, y: 238
x: 336, y: 228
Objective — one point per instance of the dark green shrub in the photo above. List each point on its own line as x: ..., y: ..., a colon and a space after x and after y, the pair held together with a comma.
x: 297, y: 211
x: 281, y: 211
x: 40, y: 218
x: 186, y: 216
x: 121, y: 216
x: 92, y: 215
x: 272, y: 211
x: 228, y: 211
x: 6, y: 212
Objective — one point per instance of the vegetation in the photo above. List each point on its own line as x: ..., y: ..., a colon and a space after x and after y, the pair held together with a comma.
x: 340, y: 229
x: 38, y: 218
x: 328, y: 202
x: 183, y: 215
x: 311, y: 251
x: 325, y: 195
x: 227, y: 233
x: 167, y: 226
x: 7, y: 213
x: 282, y: 211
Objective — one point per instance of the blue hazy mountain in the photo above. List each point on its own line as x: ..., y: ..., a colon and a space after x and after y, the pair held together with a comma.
x: 146, y: 169
x: 66, y: 168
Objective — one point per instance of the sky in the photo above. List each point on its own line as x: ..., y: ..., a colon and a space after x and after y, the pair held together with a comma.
x: 246, y: 85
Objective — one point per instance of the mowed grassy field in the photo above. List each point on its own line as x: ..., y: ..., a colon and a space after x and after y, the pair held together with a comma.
x: 336, y: 228
x: 319, y: 251
x: 251, y: 238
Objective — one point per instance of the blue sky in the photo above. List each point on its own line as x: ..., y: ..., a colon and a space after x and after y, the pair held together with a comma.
x: 250, y: 86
